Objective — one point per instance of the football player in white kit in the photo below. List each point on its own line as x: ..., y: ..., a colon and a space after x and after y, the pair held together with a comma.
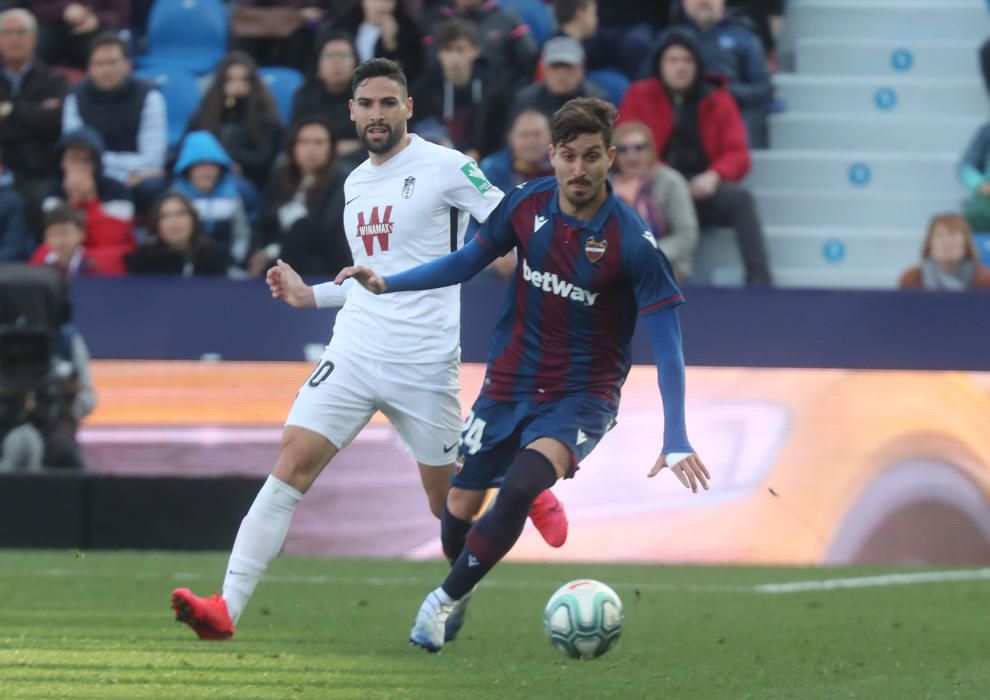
x: 409, y: 203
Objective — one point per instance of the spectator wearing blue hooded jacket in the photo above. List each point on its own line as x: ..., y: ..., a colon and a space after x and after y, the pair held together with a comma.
x: 730, y: 48
x: 203, y: 173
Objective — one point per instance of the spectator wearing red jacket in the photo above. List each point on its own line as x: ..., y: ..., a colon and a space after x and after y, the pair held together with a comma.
x: 700, y: 133
x: 63, y: 247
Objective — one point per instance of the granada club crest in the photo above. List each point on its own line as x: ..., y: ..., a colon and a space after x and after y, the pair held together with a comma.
x: 408, y: 186
x: 594, y: 249
x: 376, y: 228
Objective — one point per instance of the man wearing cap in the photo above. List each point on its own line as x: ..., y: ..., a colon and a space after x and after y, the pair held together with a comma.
x: 563, y: 79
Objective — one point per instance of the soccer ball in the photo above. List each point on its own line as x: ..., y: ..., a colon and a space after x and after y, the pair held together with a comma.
x: 583, y: 619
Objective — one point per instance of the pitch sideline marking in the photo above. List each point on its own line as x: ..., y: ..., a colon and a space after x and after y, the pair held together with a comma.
x: 817, y: 585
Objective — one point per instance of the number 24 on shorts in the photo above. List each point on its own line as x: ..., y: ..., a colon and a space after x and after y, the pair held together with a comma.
x: 471, y: 434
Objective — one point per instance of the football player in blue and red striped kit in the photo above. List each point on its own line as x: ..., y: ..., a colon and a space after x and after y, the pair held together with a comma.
x: 588, y: 268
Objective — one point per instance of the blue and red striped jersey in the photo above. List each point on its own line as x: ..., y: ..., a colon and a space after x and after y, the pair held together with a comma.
x: 568, y: 319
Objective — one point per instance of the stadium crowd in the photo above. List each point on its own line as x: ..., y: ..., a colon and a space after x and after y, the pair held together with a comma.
x: 255, y: 174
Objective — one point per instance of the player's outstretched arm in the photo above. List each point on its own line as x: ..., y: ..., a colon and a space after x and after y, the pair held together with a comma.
x: 443, y: 272
x: 286, y: 284
x: 677, y: 454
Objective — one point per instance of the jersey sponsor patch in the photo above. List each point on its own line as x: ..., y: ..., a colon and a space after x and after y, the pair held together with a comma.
x: 551, y: 282
x: 476, y: 176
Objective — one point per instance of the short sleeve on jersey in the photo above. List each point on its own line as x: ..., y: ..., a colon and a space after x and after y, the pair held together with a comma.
x: 651, y: 275
x: 465, y: 186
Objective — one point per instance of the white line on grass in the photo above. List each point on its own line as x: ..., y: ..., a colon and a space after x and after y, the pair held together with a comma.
x: 828, y: 584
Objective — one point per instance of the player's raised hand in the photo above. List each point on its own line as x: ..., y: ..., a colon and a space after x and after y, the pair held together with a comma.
x: 365, y: 276
x: 286, y: 284
x: 690, y: 471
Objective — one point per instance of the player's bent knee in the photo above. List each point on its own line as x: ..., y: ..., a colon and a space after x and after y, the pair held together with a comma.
x: 303, y: 456
x: 466, y: 505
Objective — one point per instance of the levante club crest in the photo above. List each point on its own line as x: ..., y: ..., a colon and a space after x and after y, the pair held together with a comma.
x: 594, y: 249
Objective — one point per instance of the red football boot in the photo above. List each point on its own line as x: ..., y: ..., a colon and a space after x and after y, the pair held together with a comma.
x: 206, y: 615
x: 549, y: 518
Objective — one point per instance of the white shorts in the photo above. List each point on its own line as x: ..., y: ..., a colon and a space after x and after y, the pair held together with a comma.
x: 422, y: 401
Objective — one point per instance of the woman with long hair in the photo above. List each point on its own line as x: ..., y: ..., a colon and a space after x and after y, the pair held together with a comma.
x: 240, y: 111
x: 178, y: 244
x: 949, y: 258
x: 303, y: 211
x: 658, y: 193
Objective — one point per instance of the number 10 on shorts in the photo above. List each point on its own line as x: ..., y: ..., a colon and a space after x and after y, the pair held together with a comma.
x: 471, y: 434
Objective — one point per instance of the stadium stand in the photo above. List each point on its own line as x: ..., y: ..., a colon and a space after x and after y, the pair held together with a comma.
x: 283, y: 83
x: 881, y: 99
x: 191, y: 34
x: 182, y: 95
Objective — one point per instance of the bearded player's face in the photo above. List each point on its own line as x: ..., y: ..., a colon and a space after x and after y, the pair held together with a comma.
x: 380, y: 111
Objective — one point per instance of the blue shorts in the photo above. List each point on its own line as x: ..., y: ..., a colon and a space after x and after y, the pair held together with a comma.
x: 496, y: 430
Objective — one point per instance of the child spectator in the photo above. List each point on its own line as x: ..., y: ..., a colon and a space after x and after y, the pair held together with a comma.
x: 303, y: 212
x: 240, y: 111
x: 328, y: 91
x: 63, y: 247
x: 949, y: 258
x: 178, y: 244
x: 203, y: 174
x: 658, y: 193
x: 105, y: 203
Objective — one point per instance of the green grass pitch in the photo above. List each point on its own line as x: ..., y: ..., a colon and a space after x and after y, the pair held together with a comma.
x: 98, y: 626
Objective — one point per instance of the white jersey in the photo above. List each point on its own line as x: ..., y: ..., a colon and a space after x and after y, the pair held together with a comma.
x: 412, y: 209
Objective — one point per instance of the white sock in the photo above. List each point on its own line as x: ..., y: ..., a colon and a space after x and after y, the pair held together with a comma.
x: 259, y: 540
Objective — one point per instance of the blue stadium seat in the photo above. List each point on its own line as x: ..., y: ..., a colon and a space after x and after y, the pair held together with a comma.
x: 181, y: 93
x: 283, y: 83
x: 983, y: 245
x: 537, y: 14
x: 190, y: 34
x: 612, y: 81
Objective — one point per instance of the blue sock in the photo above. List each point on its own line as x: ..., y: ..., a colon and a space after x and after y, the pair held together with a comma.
x: 497, y: 531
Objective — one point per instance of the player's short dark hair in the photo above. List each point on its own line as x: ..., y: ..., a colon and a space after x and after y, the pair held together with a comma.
x: 64, y: 214
x: 109, y: 38
x: 565, y: 10
x: 582, y: 115
x: 455, y: 29
x: 380, y: 68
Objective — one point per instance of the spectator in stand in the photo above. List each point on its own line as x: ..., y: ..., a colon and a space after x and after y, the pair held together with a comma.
x: 767, y: 18
x: 178, y: 244
x: 974, y: 171
x: 563, y: 79
x: 105, y: 204
x: 658, y: 193
x: 277, y: 32
x: 328, y: 92
x: 67, y: 27
x: 384, y: 29
x: 949, y: 258
x: 240, y: 111
x: 203, y: 173
x: 16, y: 239
x: 129, y: 115
x: 303, y: 212
x: 621, y: 46
x: 698, y: 132
x: 63, y: 247
x: 729, y: 48
x: 459, y: 93
x: 31, y: 96
x: 506, y: 43
x: 528, y: 154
